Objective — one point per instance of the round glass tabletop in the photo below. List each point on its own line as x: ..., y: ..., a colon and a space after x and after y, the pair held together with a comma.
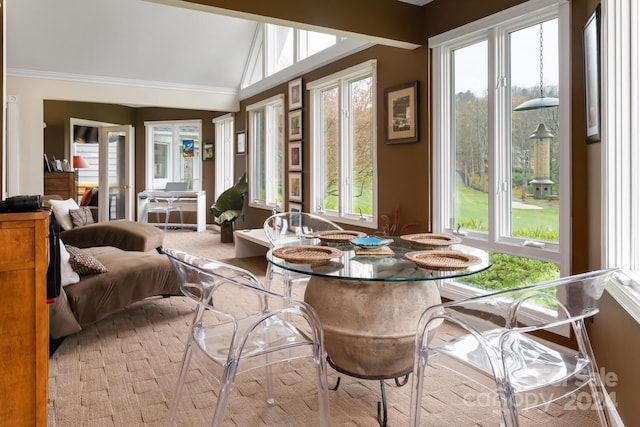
x: 386, y: 264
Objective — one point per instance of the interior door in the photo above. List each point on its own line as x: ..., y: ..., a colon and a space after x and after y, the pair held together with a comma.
x: 116, y: 186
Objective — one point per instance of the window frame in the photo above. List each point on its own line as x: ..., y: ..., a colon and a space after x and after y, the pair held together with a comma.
x: 224, y: 127
x: 620, y: 152
x: 271, y: 191
x: 340, y: 80
x: 175, y: 151
x: 494, y: 29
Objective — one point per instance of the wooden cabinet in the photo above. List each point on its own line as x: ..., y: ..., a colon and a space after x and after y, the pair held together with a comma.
x: 24, y: 318
x: 60, y: 183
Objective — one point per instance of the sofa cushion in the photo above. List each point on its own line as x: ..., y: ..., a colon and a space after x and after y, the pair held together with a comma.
x: 67, y: 275
x: 61, y: 210
x: 126, y: 235
x: 132, y: 277
x: 81, y: 216
x: 83, y: 262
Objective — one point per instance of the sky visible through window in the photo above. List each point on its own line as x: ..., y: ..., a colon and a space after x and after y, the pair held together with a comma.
x: 525, y: 52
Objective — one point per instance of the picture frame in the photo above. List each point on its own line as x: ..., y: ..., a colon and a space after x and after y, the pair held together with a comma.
x: 295, y: 186
x: 208, y: 152
x: 401, y: 106
x: 591, y: 39
x: 295, y: 94
x: 295, y: 156
x: 241, y: 146
x: 295, y: 125
x: 296, y: 220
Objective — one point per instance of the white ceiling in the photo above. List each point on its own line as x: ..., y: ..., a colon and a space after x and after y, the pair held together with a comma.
x: 149, y: 44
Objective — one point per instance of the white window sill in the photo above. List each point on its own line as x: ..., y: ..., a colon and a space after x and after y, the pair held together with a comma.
x: 626, y: 291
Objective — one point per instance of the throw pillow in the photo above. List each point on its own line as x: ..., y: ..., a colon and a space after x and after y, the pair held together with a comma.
x: 81, y: 216
x: 67, y: 275
x: 61, y: 210
x: 83, y: 262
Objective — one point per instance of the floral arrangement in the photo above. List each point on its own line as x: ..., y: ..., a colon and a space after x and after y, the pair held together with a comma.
x: 389, y: 228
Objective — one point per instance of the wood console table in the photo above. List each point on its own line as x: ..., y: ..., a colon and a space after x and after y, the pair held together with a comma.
x: 24, y: 319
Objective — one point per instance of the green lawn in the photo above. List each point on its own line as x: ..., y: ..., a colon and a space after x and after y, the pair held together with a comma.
x: 472, y: 208
x: 509, y: 271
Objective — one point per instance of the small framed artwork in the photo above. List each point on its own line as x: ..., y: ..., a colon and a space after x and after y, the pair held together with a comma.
x: 295, y: 156
x: 295, y: 208
x: 241, y: 142
x: 401, y: 104
x: 592, y: 76
x: 295, y: 94
x: 295, y: 186
x: 207, y: 151
x: 187, y: 147
x: 295, y: 124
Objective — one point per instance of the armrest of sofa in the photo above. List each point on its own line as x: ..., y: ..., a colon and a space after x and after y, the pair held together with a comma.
x: 126, y: 235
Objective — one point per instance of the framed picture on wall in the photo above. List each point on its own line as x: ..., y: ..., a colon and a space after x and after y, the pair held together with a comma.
x: 295, y: 208
x: 241, y: 147
x: 207, y: 151
x: 295, y: 186
x: 295, y: 156
x: 401, y: 104
x: 592, y: 76
x: 295, y: 125
x: 295, y: 94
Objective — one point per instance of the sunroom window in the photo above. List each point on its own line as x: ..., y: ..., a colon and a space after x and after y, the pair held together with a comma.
x: 500, y: 172
x: 343, y: 145
x: 266, y: 153
x: 223, y: 148
x: 173, y: 154
x: 276, y: 48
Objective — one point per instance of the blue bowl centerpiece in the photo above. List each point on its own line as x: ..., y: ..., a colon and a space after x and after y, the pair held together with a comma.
x: 371, y: 242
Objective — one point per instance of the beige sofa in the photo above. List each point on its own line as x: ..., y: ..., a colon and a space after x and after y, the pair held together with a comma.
x: 137, y: 269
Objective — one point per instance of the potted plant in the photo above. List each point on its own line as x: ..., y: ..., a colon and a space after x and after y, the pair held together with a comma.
x: 228, y: 208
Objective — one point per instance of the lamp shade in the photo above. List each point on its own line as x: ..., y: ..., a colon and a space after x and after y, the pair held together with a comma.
x: 80, y: 163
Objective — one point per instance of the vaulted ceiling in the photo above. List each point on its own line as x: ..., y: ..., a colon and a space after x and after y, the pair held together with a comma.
x: 128, y: 41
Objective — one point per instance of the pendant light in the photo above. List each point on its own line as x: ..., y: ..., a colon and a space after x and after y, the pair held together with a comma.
x: 542, y: 101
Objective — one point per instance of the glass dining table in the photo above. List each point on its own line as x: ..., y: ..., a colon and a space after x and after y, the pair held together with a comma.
x: 364, y: 297
x: 370, y: 301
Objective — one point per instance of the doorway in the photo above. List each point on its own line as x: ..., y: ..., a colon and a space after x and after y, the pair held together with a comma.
x: 109, y: 158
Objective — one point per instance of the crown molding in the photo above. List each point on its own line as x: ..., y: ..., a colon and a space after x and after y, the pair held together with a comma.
x: 80, y: 78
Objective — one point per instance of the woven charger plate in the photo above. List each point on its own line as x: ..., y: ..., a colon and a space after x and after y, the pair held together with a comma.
x: 314, y: 255
x: 431, y: 240
x: 442, y: 260
x: 338, y: 236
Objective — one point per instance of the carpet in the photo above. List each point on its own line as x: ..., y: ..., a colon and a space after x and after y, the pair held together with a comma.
x: 122, y: 372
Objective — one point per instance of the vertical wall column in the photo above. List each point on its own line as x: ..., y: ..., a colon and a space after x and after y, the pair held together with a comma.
x: 12, y: 162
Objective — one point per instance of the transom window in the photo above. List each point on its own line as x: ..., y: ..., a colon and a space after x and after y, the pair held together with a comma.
x: 173, y: 154
x: 501, y: 172
x: 276, y: 48
x: 344, y: 145
x: 266, y: 153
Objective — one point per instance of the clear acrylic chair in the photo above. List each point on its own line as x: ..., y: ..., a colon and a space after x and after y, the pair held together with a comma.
x: 291, y: 227
x: 164, y: 203
x: 499, y: 351
x: 238, y: 326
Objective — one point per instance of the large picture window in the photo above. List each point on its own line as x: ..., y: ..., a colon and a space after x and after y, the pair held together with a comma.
x: 500, y: 167
x: 173, y: 154
x: 343, y: 145
x: 266, y: 153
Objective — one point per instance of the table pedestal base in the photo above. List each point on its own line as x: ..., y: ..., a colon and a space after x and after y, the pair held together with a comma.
x: 370, y: 327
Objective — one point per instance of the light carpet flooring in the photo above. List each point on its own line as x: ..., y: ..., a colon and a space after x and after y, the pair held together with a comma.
x: 123, y: 370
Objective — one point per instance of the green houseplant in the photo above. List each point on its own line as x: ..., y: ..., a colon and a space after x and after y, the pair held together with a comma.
x: 228, y: 207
